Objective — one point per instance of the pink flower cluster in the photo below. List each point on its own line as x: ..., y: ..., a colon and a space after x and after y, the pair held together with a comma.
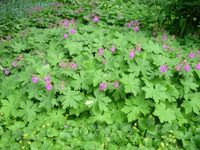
x: 191, y: 55
x: 69, y: 24
x: 95, y: 19
x: 163, y: 68
x: 34, y: 79
x: 164, y: 37
x: 134, y: 24
x: 71, y: 65
x: 101, y: 50
x: 103, y: 85
x: 47, y: 81
x: 131, y: 54
x: 180, y: 66
x: 48, y: 84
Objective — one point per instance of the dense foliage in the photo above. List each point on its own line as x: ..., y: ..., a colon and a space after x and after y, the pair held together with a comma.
x: 182, y: 17
x: 93, y: 77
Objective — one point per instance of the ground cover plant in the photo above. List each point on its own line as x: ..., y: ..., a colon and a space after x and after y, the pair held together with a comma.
x: 76, y: 78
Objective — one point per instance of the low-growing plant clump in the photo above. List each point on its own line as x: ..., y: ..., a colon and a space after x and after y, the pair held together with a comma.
x: 76, y: 81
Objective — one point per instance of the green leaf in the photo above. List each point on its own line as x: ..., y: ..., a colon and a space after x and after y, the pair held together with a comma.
x: 71, y: 98
x: 141, y: 65
x: 47, y: 102
x: 74, y: 48
x: 147, y: 123
x: 135, y: 107
x: 82, y: 80
x: 157, y: 92
x: 131, y: 84
x: 52, y: 132
x: 54, y: 58
x: 189, y: 84
x: 18, y: 47
x: 151, y: 46
x: 99, y: 102
x: 163, y: 113
x: 9, y: 107
x: 28, y: 111
x: 42, y: 69
x: 192, y: 104
x: 56, y: 118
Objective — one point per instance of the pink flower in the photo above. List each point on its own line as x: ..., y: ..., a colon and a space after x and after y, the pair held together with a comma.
x: 34, y: 79
x: 163, y: 68
x: 129, y: 24
x: 165, y: 46
x: 72, y: 21
x: 136, y: 28
x: 65, y: 36
x: 131, y: 54
x: 197, y: 66
x: 102, y: 86
x: 187, y: 67
x: 48, y: 86
x: 113, y: 49
x: 6, y: 71
x: 14, y: 64
x: 178, y: 67
x: 164, y: 37
x: 73, y: 65
x: 72, y: 31
x: 138, y: 48
x: 62, y: 64
x: 198, y: 52
x: 191, y: 55
x: 47, y: 79
x: 116, y: 84
x: 65, y: 23
x: 96, y: 19
x: 100, y: 51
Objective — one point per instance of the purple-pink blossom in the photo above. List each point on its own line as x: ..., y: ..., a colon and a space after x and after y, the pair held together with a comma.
x: 178, y: 67
x: 164, y: 37
x: 138, y: 48
x: 14, y: 64
x: 100, y: 51
x: 187, y: 67
x: 73, y: 65
x: 165, y: 46
x: 191, y: 55
x: 136, y: 28
x: 65, y: 36
x: 102, y: 86
x: 34, y: 79
x: 48, y: 86
x: 129, y: 24
x: 131, y: 54
x: 65, y: 23
x: 72, y: 21
x: 6, y: 71
x: 198, y: 52
x: 47, y: 79
x: 96, y: 19
x: 116, y: 84
x: 72, y: 31
x: 113, y: 49
x: 197, y: 66
x: 163, y: 68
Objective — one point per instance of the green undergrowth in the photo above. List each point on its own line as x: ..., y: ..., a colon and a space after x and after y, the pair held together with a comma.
x: 80, y: 84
